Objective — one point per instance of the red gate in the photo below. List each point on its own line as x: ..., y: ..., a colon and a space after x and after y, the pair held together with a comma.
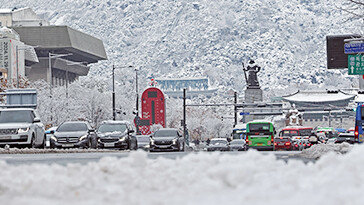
x: 153, y: 110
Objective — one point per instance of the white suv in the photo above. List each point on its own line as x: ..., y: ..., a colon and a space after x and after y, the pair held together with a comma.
x: 21, y: 126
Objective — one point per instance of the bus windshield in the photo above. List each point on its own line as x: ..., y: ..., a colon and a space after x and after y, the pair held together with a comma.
x: 259, y: 127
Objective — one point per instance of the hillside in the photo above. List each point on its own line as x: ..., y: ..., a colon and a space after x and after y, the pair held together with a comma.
x: 210, y: 38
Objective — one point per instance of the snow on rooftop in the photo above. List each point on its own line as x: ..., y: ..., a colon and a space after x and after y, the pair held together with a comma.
x: 318, y: 96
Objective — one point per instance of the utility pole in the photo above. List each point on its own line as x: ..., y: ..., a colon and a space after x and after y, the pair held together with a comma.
x: 184, y: 115
x: 136, y: 91
x: 235, y: 109
x: 50, y: 77
x: 113, y: 93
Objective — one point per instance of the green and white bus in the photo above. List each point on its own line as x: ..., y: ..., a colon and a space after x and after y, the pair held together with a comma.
x: 260, y: 135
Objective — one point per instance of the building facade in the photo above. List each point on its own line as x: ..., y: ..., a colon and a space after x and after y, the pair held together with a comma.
x: 21, y: 17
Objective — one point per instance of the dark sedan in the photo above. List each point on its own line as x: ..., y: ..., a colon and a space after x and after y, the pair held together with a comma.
x: 345, y: 137
x: 74, y: 134
x: 116, y: 134
x: 218, y: 144
x: 238, y: 145
x: 166, y: 139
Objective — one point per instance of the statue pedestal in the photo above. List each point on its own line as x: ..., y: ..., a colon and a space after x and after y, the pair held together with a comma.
x: 253, y: 95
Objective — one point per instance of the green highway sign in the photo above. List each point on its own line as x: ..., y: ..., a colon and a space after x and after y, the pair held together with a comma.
x: 356, y: 64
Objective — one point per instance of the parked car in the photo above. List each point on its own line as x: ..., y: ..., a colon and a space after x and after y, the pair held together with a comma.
x: 218, y: 144
x: 238, y: 145
x: 166, y: 139
x: 21, y: 127
x: 74, y: 134
x: 116, y: 134
x: 283, y: 143
x: 50, y: 132
x: 346, y: 137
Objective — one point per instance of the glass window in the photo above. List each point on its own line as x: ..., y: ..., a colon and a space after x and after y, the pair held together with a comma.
x: 16, y: 116
x: 259, y: 127
x: 112, y: 128
x: 72, y: 127
x: 166, y: 133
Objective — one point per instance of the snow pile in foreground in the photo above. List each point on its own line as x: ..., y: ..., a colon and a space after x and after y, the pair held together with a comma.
x: 319, y: 150
x: 203, y: 178
x: 44, y: 151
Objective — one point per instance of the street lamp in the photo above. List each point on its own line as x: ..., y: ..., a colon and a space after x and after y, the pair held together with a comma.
x: 113, y: 89
x: 49, y: 75
x: 70, y: 63
x: 17, y: 48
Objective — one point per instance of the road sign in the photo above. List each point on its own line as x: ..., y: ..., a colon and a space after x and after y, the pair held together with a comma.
x: 244, y: 113
x: 351, y: 48
x: 356, y: 64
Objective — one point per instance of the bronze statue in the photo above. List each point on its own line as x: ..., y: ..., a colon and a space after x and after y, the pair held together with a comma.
x: 252, y: 79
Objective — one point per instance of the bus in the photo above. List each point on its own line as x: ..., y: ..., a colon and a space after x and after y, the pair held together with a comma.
x: 359, y: 121
x: 239, y: 131
x: 260, y: 135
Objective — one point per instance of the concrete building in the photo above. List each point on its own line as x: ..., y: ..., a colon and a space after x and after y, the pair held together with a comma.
x: 81, y: 50
x: 15, y: 56
x: 21, y: 17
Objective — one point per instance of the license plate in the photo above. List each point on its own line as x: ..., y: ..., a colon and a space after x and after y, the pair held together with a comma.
x: 67, y: 145
x: 5, y: 137
x: 259, y: 144
x: 280, y: 143
x: 109, y: 144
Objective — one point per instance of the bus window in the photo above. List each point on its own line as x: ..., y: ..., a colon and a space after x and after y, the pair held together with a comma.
x: 362, y: 113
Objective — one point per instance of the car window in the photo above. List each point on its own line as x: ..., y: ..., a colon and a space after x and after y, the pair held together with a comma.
x: 72, y: 127
x: 112, y: 128
x: 215, y: 142
x: 165, y: 133
x: 15, y: 116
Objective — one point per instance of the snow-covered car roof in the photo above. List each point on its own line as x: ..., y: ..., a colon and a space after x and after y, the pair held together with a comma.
x: 115, y: 122
x: 217, y: 139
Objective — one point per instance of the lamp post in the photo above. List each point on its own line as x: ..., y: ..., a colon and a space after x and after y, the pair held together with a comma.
x: 113, y: 89
x: 17, y: 48
x: 49, y: 75
x: 136, y: 91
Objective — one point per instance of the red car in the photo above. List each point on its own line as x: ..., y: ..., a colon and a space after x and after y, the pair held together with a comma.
x: 282, y: 143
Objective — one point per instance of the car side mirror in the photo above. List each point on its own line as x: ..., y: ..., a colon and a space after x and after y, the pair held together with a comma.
x: 131, y: 131
x: 52, y: 132
x: 36, y: 120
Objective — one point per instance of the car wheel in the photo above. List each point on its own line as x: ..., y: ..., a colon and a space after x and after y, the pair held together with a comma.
x: 42, y: 146
x: 32, y: 142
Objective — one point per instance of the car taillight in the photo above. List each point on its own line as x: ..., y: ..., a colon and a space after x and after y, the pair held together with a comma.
x: 296, y: 145
x: 356, y: 133
x: 275, y: 143
x: 304, y: 145
x: 288, y: 143
x: 309, y: 145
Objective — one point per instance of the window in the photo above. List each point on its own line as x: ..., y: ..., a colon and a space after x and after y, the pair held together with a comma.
x: 1, y: 23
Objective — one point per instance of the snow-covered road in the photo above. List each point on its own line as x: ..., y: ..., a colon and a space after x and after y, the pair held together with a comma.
x: 64, y: 158
x: 197, y: 178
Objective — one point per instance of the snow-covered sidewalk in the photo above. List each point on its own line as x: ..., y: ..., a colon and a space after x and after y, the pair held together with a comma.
x: 198, y: 178
x: 49, y: 151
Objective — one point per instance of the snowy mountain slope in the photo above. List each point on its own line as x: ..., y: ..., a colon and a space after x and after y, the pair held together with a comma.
x: 210, y: 37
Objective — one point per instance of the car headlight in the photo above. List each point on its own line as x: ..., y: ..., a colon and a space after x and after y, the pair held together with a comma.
x: 174, y: 141
x: 82, y: 138
x: 23, y: 130
x: 122, y: 139
x: 54, y: 138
